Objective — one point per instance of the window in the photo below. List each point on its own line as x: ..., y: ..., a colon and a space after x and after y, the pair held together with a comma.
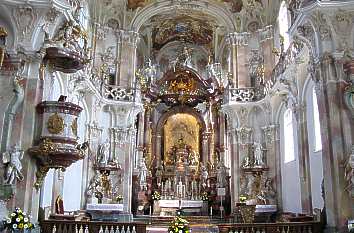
x: 283, y: 20
x: 289, y: 154
x: 316, y: 122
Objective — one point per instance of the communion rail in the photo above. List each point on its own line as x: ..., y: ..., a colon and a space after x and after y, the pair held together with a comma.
x: 286, y: 227
x: 65, y: 226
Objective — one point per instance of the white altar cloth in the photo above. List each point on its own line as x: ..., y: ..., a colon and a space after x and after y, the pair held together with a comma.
x: 184, y: 203
x: 105, y: 207
x: 266, y: 208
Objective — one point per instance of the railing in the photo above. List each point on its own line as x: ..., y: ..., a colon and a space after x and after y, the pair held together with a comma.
x: 117, y: 93
x: 287, y: 227
x: 64, y: 226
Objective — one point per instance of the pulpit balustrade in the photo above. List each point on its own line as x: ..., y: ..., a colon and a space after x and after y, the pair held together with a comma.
x: 64, y: 226
x: 286, y: 227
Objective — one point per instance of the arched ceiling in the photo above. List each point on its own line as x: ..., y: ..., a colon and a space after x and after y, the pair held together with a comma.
x: 242, y: 13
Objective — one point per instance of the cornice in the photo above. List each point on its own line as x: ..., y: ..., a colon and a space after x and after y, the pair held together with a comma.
x: 40, y: 3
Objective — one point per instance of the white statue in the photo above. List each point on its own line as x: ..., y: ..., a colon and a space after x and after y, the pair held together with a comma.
x: 103, y: 154
x: 203, y: 174
x: 142, y: 174
x: 221, y: 175
x: 258, y: 155
x: 12, y: 161
x: 158, y: 174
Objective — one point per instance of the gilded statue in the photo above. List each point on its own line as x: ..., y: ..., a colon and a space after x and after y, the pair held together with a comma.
x: 12, y: 161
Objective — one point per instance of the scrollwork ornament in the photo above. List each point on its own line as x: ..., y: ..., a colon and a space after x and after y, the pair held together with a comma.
x: 55, y: 124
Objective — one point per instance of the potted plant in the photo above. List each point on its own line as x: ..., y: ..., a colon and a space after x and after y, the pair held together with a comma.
x: 18, y: 221
x: 179, y: 225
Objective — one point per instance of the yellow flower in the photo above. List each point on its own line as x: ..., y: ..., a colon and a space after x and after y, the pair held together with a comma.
x: 25, y: 226
x: 20, y: 226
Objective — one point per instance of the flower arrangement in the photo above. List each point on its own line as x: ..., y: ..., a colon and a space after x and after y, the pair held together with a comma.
x: 205, y: 196
x: 18, y: 220
x: 119, y: 198
x: 179, y: 225
x: 156, y: 196
x: 242, y: 198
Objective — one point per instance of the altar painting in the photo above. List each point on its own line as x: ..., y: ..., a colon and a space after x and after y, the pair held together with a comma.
x: 181, y: 126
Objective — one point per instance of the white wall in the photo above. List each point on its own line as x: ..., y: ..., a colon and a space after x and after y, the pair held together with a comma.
x: 290, y: 178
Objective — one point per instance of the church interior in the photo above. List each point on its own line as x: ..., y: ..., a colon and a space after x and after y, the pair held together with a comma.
x: 179, y: 116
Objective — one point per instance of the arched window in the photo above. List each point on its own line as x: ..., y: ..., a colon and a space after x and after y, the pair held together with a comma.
x: 289, y: 149
x: 283, y: 21
x: 316, y: 122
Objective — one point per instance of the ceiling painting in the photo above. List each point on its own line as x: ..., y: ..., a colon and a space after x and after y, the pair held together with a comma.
x: 189, y: 27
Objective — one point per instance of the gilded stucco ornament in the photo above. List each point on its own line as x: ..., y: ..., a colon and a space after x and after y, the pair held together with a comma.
x: 55, y: 124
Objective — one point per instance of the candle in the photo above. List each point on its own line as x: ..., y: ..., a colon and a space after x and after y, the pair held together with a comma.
x: 150, y: 210
x: 211, y: 211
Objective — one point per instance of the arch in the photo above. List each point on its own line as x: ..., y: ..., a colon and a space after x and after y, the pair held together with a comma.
x: 162, y: 7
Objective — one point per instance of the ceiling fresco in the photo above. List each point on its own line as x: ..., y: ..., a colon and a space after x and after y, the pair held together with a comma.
x: 187, y: 27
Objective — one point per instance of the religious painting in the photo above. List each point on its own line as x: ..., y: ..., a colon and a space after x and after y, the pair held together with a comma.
x: 181, y: 127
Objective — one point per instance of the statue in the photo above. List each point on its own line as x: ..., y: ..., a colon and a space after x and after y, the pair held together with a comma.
x: 12, y: 161
x: 246, y: 162
x: 142, y: 174
x: 193, y: 158
x: 258, y: 155
x: 103, y: 154
x: 203, y: 174
x: 221, y: 174
x: 187, y: 56
x: 158, y: 174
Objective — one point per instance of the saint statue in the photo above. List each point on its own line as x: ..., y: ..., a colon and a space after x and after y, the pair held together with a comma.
x: 258, y: 155
x: 203, y: 174
x: 103, y: 155
x: 142, y: 174
x: 12, y: 161
x: 221, y: 174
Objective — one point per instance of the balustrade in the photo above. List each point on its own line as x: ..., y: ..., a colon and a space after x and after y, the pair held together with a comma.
x: 63, y: 226
x: 287, y: 227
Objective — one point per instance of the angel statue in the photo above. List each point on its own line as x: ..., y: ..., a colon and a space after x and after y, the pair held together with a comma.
x: 203, y: 174
x: 12, y: 161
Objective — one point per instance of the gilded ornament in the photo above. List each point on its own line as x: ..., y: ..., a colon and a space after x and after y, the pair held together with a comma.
x: 55, y: 124
x: 3, y: 32
x: 74, y: 127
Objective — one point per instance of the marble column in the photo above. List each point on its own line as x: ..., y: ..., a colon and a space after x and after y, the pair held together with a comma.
x: 266, y: 41
x: 235, y: 168
x: 303, y: 155
x: 331, y: 108
x: 127, y: 42
x: 238, y: 43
